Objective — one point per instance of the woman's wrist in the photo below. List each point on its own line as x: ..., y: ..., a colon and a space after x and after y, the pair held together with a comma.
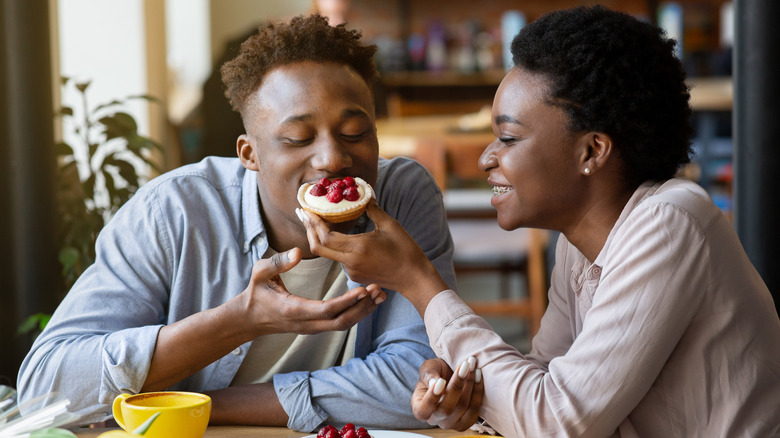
x: 422, y: 286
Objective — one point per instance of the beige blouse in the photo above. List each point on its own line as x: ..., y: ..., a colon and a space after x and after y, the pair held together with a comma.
x: 669, y: 333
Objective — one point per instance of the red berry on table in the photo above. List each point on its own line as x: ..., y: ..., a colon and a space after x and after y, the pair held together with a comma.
x: 362, y: 433
x: 351, y: 194
x: 335, y: 196
x: 332, y: 433
x: 348, y: 426
x: 349, y: 433
x: 349, y: 181
x: 318, y: 190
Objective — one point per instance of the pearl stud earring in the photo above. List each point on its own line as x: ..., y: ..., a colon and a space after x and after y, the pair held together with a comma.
x: 586, y: 170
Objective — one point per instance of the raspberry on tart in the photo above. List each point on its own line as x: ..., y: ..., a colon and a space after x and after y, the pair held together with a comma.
x: 336, y: 200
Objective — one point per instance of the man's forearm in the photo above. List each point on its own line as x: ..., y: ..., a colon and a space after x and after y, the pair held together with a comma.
x: 255, y: 405
x: 187, y: 346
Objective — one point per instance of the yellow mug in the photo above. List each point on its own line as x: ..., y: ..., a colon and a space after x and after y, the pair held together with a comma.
x: 182, y: 414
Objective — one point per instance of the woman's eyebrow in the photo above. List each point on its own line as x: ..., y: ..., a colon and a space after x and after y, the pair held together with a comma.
x: 507, y: 119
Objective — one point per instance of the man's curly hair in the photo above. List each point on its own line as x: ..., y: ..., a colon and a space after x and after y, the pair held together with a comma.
x: 304, y: 38
x: 614, y: 74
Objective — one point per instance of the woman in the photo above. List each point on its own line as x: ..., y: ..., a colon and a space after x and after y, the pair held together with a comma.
x: 657, y: 323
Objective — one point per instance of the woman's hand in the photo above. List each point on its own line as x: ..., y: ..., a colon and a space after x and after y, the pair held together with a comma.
x: 272, y: 309
x: 454, y: 405
x: 388, y: 255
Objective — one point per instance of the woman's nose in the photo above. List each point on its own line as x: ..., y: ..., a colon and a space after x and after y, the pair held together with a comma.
x: 331, y: 156
x: 488, y: 160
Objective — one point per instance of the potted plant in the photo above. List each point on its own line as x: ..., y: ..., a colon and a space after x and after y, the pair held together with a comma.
x: 95, y: 177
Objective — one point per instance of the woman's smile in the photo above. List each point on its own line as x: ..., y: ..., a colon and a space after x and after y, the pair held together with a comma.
x: 502, y: 190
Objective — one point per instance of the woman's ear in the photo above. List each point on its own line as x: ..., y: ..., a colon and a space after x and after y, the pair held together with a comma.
x: 596, y: 152
x: 246, y: 152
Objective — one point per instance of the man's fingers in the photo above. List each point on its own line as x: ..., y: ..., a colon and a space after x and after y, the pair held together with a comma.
x: 266, y: 269
x: 338, y: 313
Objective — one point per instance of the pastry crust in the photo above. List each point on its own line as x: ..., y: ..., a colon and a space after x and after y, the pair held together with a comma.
x: 342, y: 214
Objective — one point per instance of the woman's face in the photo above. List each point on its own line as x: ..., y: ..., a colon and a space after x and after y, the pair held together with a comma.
x: 534, y: 164
x: 307, y: 121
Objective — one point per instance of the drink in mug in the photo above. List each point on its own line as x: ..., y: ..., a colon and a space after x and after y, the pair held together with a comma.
x: 182, y: 414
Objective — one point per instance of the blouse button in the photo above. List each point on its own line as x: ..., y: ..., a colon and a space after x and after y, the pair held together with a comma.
x: 594, y: 272
x: 236, y: 352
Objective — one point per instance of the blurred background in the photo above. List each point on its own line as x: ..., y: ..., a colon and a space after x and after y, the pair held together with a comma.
x: 157, y: 63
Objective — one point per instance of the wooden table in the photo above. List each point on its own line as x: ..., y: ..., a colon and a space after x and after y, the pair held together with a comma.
x: 274, y: 432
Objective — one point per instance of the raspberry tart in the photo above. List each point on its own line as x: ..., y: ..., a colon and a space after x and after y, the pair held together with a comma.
x: 336, y: 200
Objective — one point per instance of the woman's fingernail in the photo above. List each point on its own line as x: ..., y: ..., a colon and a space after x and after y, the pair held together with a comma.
x: 361, y: 296
x: 438, y: 388
x: 472, y: 363
x: 463, y: 370
x: 379, y: 300
x: 478, y: 375
x: 432, y: 382
x: 374, y: 294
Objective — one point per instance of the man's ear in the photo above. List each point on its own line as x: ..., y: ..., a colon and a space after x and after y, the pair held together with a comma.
x: 246, y: 152
x: 596, y: 151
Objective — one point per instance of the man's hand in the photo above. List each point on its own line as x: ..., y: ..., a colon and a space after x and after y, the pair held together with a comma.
x: 454, y: 405
x: 264, y: 307
x: 272, y: 309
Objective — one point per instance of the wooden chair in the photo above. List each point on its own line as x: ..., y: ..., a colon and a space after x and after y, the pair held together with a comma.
x: 480, y: 244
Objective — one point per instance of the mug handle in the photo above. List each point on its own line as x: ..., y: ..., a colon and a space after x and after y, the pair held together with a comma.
x: 117, y: 409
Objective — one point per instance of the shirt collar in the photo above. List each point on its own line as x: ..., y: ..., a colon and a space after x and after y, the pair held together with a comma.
x: 250, y: 211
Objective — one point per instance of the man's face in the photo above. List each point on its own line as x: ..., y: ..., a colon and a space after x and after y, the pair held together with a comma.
x: 307, y: 120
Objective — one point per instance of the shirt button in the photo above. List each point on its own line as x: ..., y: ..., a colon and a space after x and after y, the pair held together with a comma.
x: 246, y: 246
x: 236, y: 352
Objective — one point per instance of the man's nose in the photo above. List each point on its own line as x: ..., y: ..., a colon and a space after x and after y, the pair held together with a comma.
x: 331, y: 155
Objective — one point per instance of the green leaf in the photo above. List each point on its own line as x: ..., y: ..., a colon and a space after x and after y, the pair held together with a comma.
x: 93, y: 148
x: 82, y: 86
x: 145, y: 97
x: 63, y: 149
x: 119, y: 125
x: 127, y: 172
x: 107, y: 105
x: 33, y: 322
x: 52, y: 433
x: 110, y: 185
x: 65, y: 111
x: 68, y: 257
x: 89, y: 187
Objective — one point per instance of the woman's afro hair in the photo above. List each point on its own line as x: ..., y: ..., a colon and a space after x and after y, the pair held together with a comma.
x: 614, y: 74
x: 304, y: 38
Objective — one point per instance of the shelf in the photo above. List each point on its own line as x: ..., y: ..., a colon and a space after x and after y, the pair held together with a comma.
x: 445, y: 78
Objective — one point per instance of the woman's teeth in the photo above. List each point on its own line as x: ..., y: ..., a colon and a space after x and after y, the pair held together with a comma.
x: 500, y: 190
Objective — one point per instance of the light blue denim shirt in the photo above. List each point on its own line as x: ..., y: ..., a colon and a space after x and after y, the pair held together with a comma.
x: 187, y: 242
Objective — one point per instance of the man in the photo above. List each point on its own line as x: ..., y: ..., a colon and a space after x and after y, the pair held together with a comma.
x: 205, y: 281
